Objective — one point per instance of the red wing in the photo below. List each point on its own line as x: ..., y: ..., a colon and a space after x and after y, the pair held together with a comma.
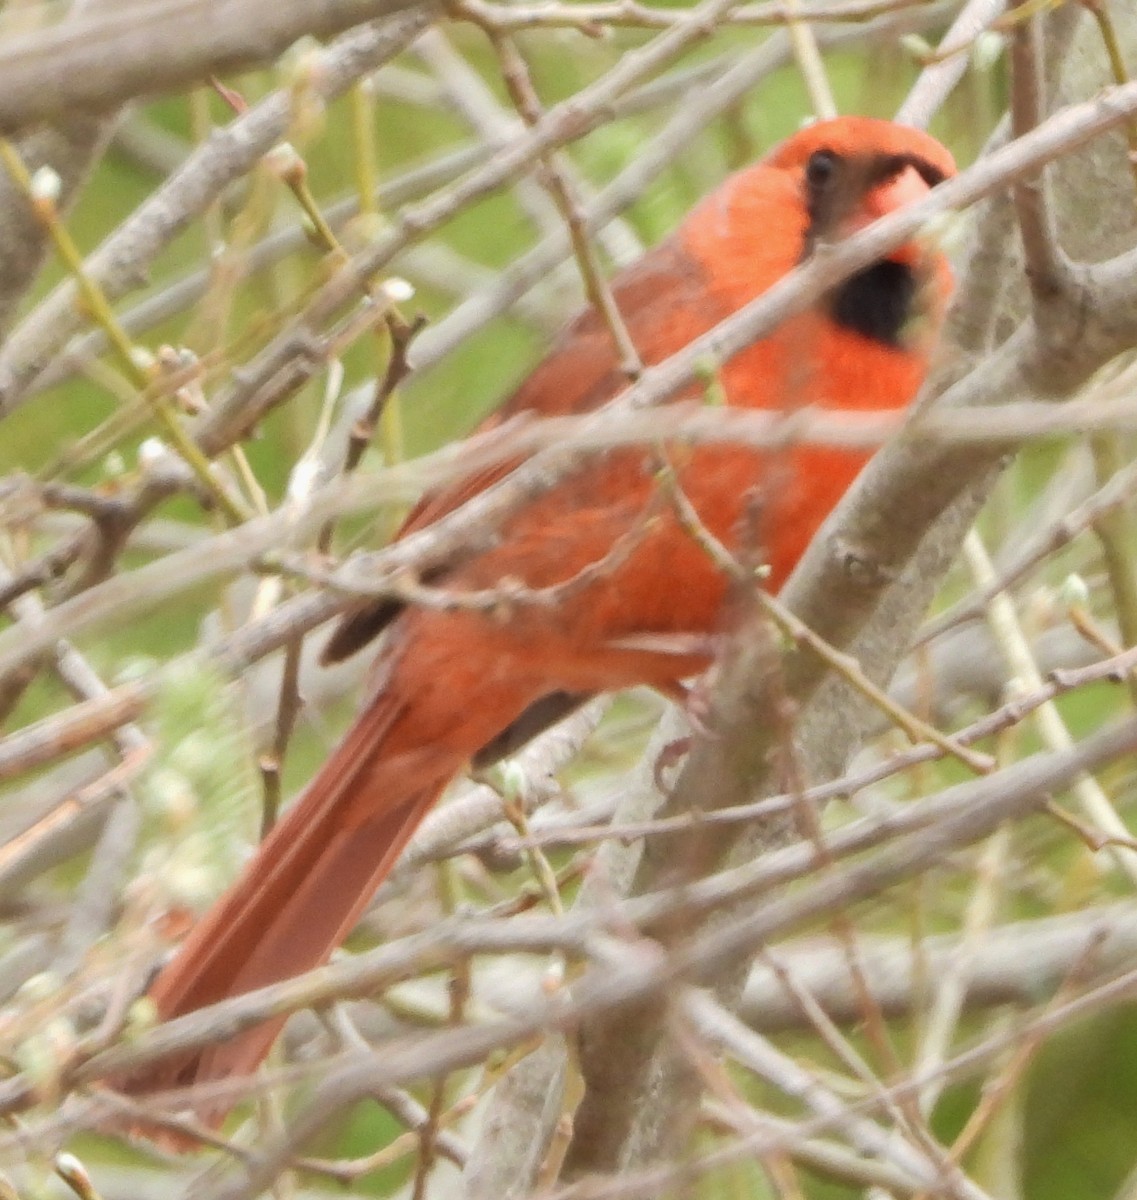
x: 581, y: 373
x: 664, y: 302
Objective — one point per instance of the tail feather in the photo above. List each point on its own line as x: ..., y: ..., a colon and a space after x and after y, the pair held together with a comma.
x: 315, y: 920
x: 299, y: 896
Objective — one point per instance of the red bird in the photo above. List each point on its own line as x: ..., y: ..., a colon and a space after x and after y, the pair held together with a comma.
x: 458, y: 686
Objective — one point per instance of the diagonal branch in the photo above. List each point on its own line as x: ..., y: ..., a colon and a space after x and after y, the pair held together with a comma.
x: 98, y: 61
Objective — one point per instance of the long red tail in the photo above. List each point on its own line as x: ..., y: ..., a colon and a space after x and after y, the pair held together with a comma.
x: 300, y: 894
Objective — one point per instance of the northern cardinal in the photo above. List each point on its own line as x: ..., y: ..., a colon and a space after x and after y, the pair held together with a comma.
x: 456, y: 686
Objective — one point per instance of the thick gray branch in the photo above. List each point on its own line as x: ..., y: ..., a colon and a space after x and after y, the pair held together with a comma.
x: 100, y: 60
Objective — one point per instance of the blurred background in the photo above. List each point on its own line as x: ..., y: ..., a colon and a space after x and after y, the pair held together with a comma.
x: 1017, y: 924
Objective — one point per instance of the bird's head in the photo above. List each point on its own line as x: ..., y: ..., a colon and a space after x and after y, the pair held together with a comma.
x: 850, y: 172
x: 854, y: 170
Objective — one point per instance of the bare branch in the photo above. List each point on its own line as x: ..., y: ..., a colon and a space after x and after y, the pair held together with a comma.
x: 98, y: 60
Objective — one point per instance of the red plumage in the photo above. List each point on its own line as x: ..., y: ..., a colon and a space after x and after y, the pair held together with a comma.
x: 450, y: 683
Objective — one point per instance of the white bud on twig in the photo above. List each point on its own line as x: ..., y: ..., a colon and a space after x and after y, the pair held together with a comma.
x: 986, y: 50
x: 142, y: 358
x: 46, y: 186
x: 397, y: 290
x: 285, y: 163
x: 1075, y: 591
x: 152, y: 451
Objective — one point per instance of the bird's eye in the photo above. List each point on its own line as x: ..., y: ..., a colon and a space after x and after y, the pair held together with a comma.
x: 820, y: 169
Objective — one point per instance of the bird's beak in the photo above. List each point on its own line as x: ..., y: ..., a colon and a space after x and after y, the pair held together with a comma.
x: 906, y: 187
x: 902, y: 189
